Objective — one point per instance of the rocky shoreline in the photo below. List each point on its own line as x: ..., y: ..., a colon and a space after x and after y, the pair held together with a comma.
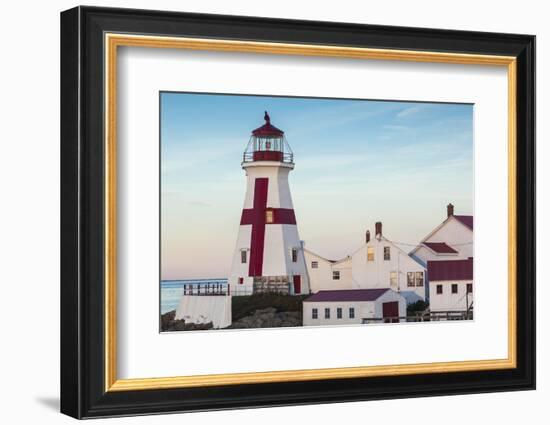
x: 268, y: 318
x: 168, y: 324
x: 249, y: 312
x: 263, y: 318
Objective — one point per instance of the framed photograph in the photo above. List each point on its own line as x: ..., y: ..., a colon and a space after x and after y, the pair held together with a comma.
x: 261, y: 212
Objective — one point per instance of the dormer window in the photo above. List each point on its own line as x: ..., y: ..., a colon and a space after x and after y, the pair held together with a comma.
x: 294, y: 255
x: 243, y: 256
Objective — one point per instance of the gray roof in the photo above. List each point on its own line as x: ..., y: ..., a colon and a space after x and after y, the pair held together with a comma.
x: 348, y: 295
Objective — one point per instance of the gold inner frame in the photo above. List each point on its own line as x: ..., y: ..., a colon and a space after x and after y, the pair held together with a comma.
x: 113, y: 41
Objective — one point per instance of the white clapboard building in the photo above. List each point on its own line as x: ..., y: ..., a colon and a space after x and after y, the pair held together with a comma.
x: 451, y: 286
x: 450, y: 240
x: 448, y: 252
x: 377, y: 264
x: 268, y: 255
x: 354, y: 306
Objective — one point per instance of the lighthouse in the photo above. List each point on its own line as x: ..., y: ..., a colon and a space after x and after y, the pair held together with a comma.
x: 269, y: 256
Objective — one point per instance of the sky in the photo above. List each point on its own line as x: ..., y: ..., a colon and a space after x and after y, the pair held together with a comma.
x: 356, y: 162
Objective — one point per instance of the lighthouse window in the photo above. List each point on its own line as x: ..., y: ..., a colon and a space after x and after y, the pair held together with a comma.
x: 314, y: 313
x: 269, y: 216
x: 419, y: 278
x: 336, y: 275
x: 314, y: 264
x: 370, y: 253
x: 386, y: 253
x: 243, y: 256
x: 294, y: 255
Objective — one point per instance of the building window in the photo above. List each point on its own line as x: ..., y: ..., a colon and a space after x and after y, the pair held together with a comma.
x: 393, y: 279
x: 243, y: 256
x: 410, y: 279
x: 314, y: 313
x: 314, y: 264
x: 352, y: 313
x: 241, y: 280
x: 327, y: 313
x: 469, y: 288
x: 336, y: 275
x: 419, y: 278
x: 370, y: 253
x: 339, y: 313
x: 386, y: 253
x: 294, y: 255
x: 269, y: 216
x: 439, y: 289
x: 454, y: 288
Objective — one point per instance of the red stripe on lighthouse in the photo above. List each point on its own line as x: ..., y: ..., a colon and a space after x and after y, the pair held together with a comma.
x: 257, y: 219
x: 280, y: 216
x: 283, y: 216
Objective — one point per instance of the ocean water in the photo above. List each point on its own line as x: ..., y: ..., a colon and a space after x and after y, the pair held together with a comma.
x: 171, y: 291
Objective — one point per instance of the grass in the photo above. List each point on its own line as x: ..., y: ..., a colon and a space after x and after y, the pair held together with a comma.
x: 243, y: 306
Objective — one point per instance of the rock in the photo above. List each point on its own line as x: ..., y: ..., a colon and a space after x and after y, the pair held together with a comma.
x: 264, y: 318
x: 269, y: 318
x: 167, y: 324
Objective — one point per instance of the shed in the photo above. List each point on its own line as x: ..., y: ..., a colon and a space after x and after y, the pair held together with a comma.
x: 451, y: 285
x: 353, y: 306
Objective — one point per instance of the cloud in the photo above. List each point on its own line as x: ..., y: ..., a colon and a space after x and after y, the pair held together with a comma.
x: 410, y: 111
x: 329, y: 161
x: 199, y: 204
x: 343, y: 114
x: 395, y: 127
x: 182, y: 155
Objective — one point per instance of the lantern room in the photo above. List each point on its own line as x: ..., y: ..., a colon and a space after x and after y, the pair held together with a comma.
x: 268, y: 143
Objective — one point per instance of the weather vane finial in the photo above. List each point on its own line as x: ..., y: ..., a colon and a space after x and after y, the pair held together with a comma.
x: 266, y: 118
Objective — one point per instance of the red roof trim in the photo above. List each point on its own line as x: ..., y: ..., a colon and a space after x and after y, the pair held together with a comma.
x: 451, y: 270
x: 268, y: 130
x: 467, y: 220
x: 440, y: 247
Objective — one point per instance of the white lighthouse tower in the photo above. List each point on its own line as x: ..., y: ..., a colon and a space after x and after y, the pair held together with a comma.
x: 269, y: 255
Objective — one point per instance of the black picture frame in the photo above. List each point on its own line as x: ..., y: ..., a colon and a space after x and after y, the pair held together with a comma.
x: 83, y: 392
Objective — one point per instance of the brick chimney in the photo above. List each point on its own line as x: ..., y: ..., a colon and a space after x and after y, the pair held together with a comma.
x: 367, y: 236
x: 378, y: 229
x: 450, y: 210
